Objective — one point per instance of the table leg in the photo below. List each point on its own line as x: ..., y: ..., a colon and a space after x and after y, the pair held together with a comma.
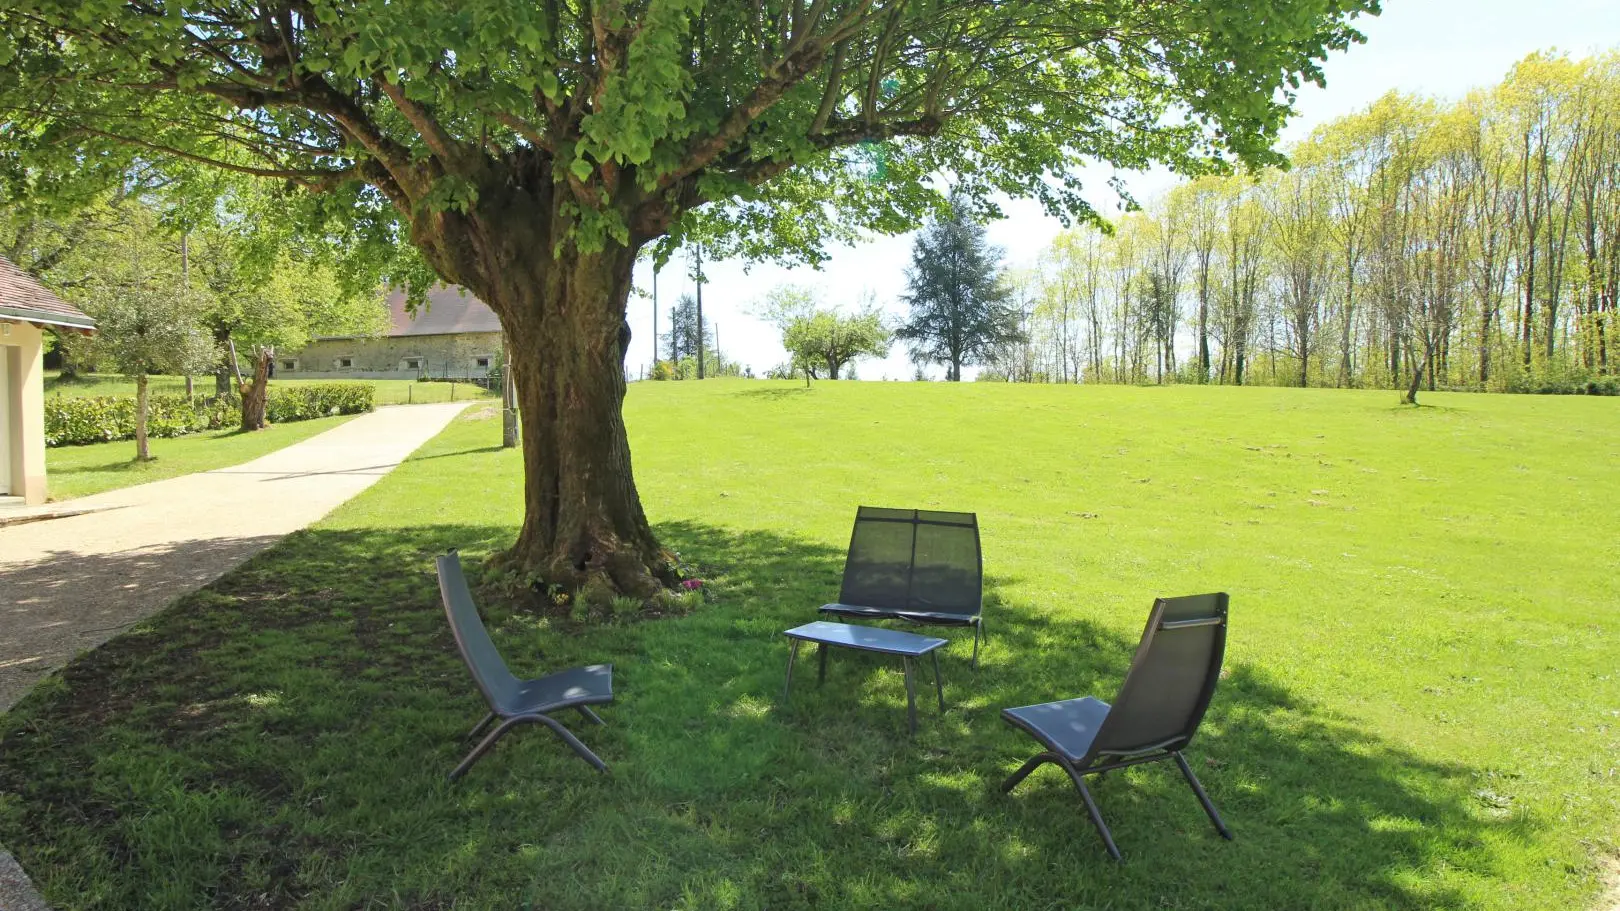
x: 939, y: 686
x: 791, y: 656
x: 823, y: 648
x: 911, y: 697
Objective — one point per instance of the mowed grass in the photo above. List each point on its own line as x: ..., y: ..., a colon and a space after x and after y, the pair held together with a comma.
x: 78, y: 471
x: 388, y: 392
x: 1420, y: 710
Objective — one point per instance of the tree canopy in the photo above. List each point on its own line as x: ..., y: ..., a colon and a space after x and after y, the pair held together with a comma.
x: 640, y: 111
x: 824, y: 340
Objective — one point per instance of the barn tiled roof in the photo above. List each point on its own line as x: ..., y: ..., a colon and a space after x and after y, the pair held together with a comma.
x: 447, y: 311
x: 23, y: 298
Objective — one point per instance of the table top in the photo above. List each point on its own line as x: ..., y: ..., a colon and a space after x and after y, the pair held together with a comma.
x: 865, y: 638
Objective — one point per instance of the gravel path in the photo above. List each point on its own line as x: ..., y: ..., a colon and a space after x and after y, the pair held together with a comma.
x: 70, y: 584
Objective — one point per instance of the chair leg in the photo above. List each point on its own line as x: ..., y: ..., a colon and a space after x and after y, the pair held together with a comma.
x: 480, y: 726
x: 976, y: 629
x: 590, y: 716
x: 1203, y: 798
x: 939, y: 683
x: 572, y: 741
x: 1017, y: 777
x: 483, y: 747
x: 911, y: 697
x: 822, y: 649
x: 792, y: 657
x: 1091, y: 809
x: 556, y: 727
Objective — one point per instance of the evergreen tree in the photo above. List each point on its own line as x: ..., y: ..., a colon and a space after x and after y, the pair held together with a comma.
x: 960, y: 310
x: 681, y: 341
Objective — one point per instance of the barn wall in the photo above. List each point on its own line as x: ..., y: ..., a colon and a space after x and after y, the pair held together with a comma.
x: 385, y: 358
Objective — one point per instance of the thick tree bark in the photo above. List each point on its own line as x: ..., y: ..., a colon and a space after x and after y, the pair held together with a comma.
x: 255, y: 392
x: 227, y: 357
x: 563, y: 313
x: 142, y: 454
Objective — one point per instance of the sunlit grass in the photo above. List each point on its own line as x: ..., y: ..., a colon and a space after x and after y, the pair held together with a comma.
x: 77, y: 471
x: 1421, y: 708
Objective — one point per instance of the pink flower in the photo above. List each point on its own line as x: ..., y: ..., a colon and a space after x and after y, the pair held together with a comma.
x: 692, y: 584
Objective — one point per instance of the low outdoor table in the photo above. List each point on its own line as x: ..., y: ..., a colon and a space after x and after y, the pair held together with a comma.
x: 868, y: 639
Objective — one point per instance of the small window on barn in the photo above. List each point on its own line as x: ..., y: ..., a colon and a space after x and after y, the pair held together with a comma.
x: 289, y: 363
x: 343, y: 363
x: 411, y: 363
x: 481, y: 363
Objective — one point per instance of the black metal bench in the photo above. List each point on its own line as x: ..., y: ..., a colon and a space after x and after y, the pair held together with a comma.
x: 919, y: 565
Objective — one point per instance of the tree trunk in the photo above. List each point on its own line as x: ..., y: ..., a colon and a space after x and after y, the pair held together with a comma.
x: 255, y: 392
x: 564, y: 319
x: 1417, y: 381
x: 142, y: 454
x: 226, y: 365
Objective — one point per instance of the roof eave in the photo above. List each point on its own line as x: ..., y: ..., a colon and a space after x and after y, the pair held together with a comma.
x: 48, y: 318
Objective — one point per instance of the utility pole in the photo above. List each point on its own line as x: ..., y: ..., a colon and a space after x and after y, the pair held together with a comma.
x: 719, y: 360
x: 700, y: 311
x: 509, y: 415
x: 655, y: 316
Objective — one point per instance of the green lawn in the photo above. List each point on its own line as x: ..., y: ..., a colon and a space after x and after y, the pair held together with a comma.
x: 389, y: 392
x: 77, y: 471
x: 1421, y: 708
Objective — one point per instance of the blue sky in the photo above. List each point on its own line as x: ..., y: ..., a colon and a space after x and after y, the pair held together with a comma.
x: 1433, y: 47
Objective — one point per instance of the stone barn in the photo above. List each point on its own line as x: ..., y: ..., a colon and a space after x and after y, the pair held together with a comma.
x: 455, y: 335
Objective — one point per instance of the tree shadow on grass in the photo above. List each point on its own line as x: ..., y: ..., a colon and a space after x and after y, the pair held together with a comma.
x: 128, y: 464
x: 774, y: 394
x: 281, y: 738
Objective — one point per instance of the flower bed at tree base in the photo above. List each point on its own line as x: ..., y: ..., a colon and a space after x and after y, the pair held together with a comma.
x: 73, y: 421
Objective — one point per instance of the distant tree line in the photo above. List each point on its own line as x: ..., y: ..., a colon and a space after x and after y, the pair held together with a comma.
x: 1412, y: 245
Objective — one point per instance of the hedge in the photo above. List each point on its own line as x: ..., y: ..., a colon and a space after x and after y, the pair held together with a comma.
x: 71, y: 421
x: 317, y: 400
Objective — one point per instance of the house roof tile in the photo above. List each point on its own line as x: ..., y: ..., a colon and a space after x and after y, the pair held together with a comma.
x: 448, y: 310
x: 23, y: 297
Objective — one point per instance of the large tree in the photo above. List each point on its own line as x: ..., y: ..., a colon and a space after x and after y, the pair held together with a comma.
x: 529, y: 150
x: 960, y: 310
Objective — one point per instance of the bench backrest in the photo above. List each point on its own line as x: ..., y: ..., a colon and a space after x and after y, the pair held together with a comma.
x: 914, y: 560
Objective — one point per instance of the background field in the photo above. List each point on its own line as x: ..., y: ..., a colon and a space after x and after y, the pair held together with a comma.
x: 1420, y: 711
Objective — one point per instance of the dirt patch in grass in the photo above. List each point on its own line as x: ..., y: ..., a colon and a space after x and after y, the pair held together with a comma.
x: 1609, y: 876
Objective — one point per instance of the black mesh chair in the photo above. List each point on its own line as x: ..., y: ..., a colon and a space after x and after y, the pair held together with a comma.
x: 914, y: 564
x: 511, y: 700
x: 1155, y: 715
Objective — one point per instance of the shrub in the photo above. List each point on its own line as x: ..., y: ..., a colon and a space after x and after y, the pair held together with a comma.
x: 100, y: 419
x: 74, y: 421
x: 317, y: 400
